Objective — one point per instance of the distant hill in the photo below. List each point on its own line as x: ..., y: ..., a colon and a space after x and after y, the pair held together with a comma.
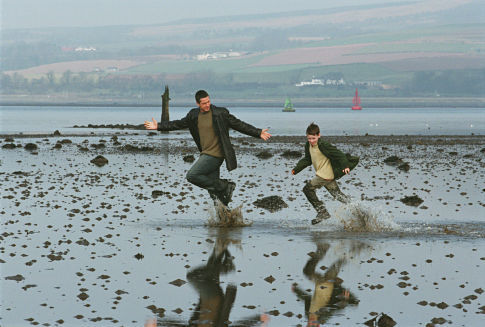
x: 383, y: 48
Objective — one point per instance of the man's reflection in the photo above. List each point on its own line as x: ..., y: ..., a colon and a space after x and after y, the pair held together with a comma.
x: 215, y: 304
x: 329, y: 295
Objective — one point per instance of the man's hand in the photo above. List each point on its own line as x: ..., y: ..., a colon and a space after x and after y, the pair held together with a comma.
x: 346, y: 170
x: 293, y: 172
x: 151, y: 124
x: 265, y: 135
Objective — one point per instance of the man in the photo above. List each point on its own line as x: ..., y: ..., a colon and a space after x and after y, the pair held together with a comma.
x: 209, y: 126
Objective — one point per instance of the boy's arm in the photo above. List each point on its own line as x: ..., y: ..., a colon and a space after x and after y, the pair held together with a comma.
x: 330, y: 151
x: 303, y: 163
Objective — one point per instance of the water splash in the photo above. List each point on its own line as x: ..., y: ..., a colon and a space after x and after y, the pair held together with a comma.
x: 222, y: 216
x: 358, y: 216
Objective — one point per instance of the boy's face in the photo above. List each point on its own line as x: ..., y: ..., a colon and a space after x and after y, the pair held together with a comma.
x: 313, y: 139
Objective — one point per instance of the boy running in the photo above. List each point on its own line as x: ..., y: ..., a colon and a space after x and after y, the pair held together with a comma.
x: 330, y: 164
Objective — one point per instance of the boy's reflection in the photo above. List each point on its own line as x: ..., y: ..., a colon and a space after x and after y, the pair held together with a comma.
x: 329, y: 295
x: 215, y: 305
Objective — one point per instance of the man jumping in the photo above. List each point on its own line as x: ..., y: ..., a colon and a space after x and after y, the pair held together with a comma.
x: 209, y: 126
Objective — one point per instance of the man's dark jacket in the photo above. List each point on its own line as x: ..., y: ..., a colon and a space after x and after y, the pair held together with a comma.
x: 337, y: 158
x: 222, y: 120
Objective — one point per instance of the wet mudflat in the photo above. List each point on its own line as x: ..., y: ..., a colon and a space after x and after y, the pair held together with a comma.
x: 128, y: 239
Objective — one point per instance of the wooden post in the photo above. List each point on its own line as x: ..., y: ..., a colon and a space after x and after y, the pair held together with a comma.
x: 165, y: 100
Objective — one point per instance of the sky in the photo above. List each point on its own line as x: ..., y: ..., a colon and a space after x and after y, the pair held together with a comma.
x: 85, y: 13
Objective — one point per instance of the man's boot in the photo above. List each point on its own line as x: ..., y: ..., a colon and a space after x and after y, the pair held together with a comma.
x: 214, y: 197
x: 310, y: 194
x: 226, y: 194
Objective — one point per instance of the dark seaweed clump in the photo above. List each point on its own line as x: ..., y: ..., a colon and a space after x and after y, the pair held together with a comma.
x: 271, y: 203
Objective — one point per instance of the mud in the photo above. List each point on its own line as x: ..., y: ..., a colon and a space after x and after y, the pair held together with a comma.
x: 132, y: 241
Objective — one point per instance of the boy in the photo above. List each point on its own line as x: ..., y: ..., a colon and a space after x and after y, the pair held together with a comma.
x: 330, y: 164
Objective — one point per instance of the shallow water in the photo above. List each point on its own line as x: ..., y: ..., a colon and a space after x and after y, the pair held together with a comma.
x: 333, y: 121
x: 90, y: 246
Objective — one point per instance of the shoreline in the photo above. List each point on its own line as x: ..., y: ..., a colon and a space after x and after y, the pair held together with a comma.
x: 266, y: 103
x: 364, y: 140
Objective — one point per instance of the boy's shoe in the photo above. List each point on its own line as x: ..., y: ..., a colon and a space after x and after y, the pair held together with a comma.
x: 321, y: 215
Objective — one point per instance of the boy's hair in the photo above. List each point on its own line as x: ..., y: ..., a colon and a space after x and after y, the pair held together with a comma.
x: 200, y: 95
x: 312, y: 129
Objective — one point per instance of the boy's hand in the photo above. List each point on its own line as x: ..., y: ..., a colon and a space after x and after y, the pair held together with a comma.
x: 346, y: 170
x: 151, y: 124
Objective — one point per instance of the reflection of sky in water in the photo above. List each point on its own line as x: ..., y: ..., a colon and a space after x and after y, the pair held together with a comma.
x: 428, y: 121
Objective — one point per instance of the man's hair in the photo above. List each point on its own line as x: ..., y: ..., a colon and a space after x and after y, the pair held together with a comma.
x: 200, y: 94
x: 312, y: 129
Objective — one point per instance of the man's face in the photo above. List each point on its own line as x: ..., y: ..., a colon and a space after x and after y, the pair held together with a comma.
x: 313, y: 139
x: 205, y: 104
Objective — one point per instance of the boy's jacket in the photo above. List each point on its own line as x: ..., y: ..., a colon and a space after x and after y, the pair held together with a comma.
x: 337, y: 158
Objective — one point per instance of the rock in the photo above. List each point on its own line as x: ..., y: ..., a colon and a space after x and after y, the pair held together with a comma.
x: 393, y: 161
x: 371, y: 322
x: 264, y: 154
x: 412, y: 200
x: 271, y: 203
x: 99, y: 161
x: 157, y: 193
x: 189, y: 158
x: 133, y: 148
x: 382, y: 320
x: 82, y: 241
x: 442, y: 305
x: 438, y: 321
x: 139, y: 256
x: 98, y: 146
x: 160, y: 312
x: 270, y: 279
x: 16, y: 278
x: 289, y: 154
x: 385, y: 321
x: 405, y: 167
x: 178, y: 282
x: 30, y: 146
x: 8, y: 146
x: 56, y: 133
x: 82, y: 296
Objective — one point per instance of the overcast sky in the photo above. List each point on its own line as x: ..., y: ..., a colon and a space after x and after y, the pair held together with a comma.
x: 55, y: 13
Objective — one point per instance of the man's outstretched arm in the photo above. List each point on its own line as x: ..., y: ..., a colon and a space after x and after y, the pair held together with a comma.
x: 248, y: 129
x: 265, y: 135
x: 167, y: 125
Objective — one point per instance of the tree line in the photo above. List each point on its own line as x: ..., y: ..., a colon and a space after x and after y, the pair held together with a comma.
x: 430, y: 83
